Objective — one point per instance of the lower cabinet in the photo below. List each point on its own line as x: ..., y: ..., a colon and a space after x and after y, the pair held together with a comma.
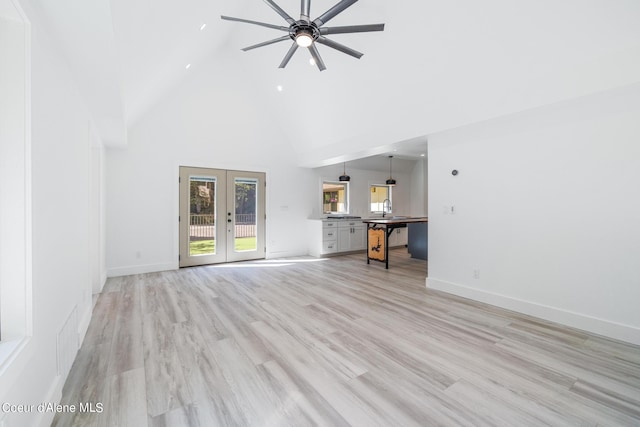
x: 329, y: 237
x: 332, y: 236
x: 418, y: 240
x: 351, y: 236
x: 398, y: 237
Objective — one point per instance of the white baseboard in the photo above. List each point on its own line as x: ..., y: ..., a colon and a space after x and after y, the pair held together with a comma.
x: 140, y: 269
x: 285, y: 254
x: 103, y: 279
x: 592, y: 324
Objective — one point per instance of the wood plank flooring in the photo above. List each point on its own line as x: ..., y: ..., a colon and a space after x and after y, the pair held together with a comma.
x: 336, y: 342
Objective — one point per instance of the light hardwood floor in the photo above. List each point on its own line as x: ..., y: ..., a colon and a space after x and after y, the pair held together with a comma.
x: 334, y: 343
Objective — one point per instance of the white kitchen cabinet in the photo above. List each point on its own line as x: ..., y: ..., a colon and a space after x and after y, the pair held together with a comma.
x: 351, y: 236
x: 329, y: 237
x: 398, y: 237
x: 333, y: 236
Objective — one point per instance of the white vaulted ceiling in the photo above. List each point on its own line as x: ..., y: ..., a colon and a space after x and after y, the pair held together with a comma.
x: 437, y: 65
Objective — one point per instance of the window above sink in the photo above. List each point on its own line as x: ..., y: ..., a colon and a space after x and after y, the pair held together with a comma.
x: 380, y: 199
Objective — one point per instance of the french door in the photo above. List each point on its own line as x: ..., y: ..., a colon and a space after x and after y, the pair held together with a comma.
x: 221, y: 216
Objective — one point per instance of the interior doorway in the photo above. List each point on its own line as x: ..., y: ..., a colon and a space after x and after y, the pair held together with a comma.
x: 222, y: 216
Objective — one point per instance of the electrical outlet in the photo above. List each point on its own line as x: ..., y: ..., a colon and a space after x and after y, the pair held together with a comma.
x: 476, y: 274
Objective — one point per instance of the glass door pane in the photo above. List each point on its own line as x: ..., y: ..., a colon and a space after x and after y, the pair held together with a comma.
x: 246, y: 209
x: 203, y: 224
x: 202, y: 215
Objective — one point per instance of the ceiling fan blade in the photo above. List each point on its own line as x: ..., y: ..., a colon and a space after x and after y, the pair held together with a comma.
x: 280, y: 12
x: 305, y: 7
x: 262, y: 24
x: 337, y: 46
x: 352, y: 29
x: 279, y: 39
x: 289, y: 54
x: 331, y: 13
x: 316, y: 57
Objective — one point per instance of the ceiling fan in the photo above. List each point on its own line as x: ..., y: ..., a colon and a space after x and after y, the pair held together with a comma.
x: 306, y: 33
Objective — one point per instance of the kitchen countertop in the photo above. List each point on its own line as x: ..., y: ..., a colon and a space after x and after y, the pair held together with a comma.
x: 396, y: 220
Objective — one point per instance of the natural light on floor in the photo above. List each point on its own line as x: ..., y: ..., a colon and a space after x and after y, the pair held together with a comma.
x: 267, y: 263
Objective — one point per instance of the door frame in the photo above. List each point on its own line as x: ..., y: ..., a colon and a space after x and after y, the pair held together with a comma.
x: 224, y: 216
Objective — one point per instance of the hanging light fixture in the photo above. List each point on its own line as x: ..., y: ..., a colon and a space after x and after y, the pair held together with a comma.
x: 344, y: 176
x: 390, y: 181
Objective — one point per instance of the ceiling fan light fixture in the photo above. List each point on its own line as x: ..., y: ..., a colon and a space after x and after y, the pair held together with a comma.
x: 305, y: 32
x: 304, y: 39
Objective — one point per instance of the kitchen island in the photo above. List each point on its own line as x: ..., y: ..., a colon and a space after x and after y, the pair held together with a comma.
x: 378, y: 231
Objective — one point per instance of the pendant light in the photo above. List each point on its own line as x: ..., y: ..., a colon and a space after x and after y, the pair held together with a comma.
x: 390, y: 182
x: 344, y: 176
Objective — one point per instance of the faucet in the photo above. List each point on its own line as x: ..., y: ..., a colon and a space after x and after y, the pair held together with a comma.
x: 388, y: 208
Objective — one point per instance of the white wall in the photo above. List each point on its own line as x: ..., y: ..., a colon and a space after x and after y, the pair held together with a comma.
x: 419, y: 193
x: 546, y: 209
x: 97, y: 227
x: 60, y: 223
x: 213, y: 120
x: 476, y: 61
x: 407, y: 195
x: 14, y: 180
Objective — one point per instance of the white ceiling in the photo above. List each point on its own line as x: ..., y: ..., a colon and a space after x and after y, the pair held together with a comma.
x: 437, y: 65
x: 405, y: 154
x: 381, y: 164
